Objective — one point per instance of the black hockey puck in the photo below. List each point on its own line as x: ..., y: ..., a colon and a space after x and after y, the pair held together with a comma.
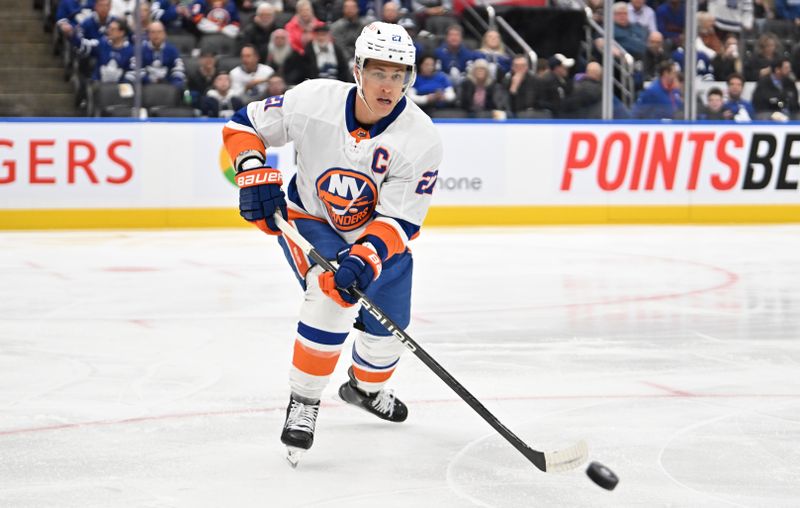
x: 602, y: 476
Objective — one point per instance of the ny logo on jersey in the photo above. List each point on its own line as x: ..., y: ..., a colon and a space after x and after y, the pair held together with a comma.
x: 396, y: 38
x: 349, y: 197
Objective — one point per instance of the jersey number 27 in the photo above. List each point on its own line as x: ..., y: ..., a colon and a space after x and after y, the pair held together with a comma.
x: 427, y: 182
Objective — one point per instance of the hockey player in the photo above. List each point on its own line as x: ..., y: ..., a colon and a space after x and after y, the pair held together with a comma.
x: 367, y: 161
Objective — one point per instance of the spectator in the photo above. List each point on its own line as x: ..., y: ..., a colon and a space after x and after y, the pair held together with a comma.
x: 249, y: 79
x: 631, y: 36
x: 321, y: 59
x: 703, y: 66
x: 480, y: 94
x: 432, y: 89
x: 764, y: 9
x: 201, y: 78
x: 731, y: 17
x: 279, y: 50
x: 390, y: 13
x: 173, y: 15
x: 727, y: 61
x: 258, y: 32
x: 346, y: 29
x: 123, y: 9
x: 276, y: 85
x: 113, y: 52
x: 94, y: 26
x: 713, y: 107
x: 161, y: 61
x: 453, y: 56
x: 495, y: 53
x: 737, y: 108
x: 586, y: 100
x: 671, y: 19
x: 433, y: 14
x: 789, y: 10
x: 301, y: 25
x: 639, y: 13
x: 542, y: 67
x: 707, y: 39
x: 760, y: 62
x: 72, y: 12
x: 219, y: 101
x: 216, y: 16
x: 653, y: 56
x: 662, y: 99
x: 775, y: 96
x: 145, y: 17
x: 521, y: 86
x: 555, y: 86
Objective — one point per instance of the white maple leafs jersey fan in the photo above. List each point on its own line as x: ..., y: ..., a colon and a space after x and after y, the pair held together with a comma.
x: 348, y: 176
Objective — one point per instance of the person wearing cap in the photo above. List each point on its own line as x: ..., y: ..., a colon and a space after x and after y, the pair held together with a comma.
x: 367, y: 162
x: 555, y: 85
x: 321, y: 58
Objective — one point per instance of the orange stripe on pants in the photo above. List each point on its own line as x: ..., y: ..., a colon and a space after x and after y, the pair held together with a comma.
x: 372, y: 377
x: 314, y: 362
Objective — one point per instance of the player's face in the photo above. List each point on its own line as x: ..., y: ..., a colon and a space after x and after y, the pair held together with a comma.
x: 382, y: 84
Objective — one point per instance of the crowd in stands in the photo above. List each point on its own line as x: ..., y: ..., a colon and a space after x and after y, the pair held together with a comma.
x: 211, y: 57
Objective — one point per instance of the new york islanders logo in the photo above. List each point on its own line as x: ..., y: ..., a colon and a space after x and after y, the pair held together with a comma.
x: 350, y: 197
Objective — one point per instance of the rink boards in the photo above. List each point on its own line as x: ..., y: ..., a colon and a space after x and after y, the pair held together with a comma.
x: 79, y: 174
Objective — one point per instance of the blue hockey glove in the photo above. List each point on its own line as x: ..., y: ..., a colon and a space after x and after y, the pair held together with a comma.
x: 359, y: 265
x: 260, y: 196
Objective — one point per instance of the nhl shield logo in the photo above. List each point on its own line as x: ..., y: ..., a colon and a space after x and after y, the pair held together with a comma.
x: 349, y: 197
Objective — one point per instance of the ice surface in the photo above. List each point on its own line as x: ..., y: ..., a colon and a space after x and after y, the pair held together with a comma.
x: 148, y: 369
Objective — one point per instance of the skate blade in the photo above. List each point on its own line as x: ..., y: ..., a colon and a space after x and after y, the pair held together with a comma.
x: 293, y: 455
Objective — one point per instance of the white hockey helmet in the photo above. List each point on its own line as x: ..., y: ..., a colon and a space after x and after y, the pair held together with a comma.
x: 386, y: 42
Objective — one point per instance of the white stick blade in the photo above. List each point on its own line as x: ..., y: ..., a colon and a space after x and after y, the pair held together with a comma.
x: 567, y: 458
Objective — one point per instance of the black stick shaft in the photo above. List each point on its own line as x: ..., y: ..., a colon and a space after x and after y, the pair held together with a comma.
x: 535, y: 456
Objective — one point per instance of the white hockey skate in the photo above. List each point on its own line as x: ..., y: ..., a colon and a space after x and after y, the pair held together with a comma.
x: 298, y: 429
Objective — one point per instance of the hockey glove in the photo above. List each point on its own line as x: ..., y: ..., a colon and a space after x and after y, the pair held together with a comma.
x: 359, y: 265
x: 260, y: 196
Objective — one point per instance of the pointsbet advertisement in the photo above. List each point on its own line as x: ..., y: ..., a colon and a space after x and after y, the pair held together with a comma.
x: 526, y: 172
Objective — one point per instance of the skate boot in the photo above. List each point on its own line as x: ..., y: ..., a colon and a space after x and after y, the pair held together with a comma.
x: 383, y: 404
x: 298, y: 429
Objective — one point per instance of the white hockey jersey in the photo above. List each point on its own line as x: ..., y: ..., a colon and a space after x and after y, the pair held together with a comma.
x: 377, y: 182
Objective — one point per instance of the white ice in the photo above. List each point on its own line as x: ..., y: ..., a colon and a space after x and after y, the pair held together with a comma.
x: 148, y: 369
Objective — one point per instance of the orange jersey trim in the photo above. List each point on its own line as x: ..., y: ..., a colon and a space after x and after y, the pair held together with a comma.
x: 237, y: 142
x: 314, y: 362
x: 372, y: 377
x: 389, y: 235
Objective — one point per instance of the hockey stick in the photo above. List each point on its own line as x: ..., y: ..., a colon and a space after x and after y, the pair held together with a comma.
x: 552, y: 461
